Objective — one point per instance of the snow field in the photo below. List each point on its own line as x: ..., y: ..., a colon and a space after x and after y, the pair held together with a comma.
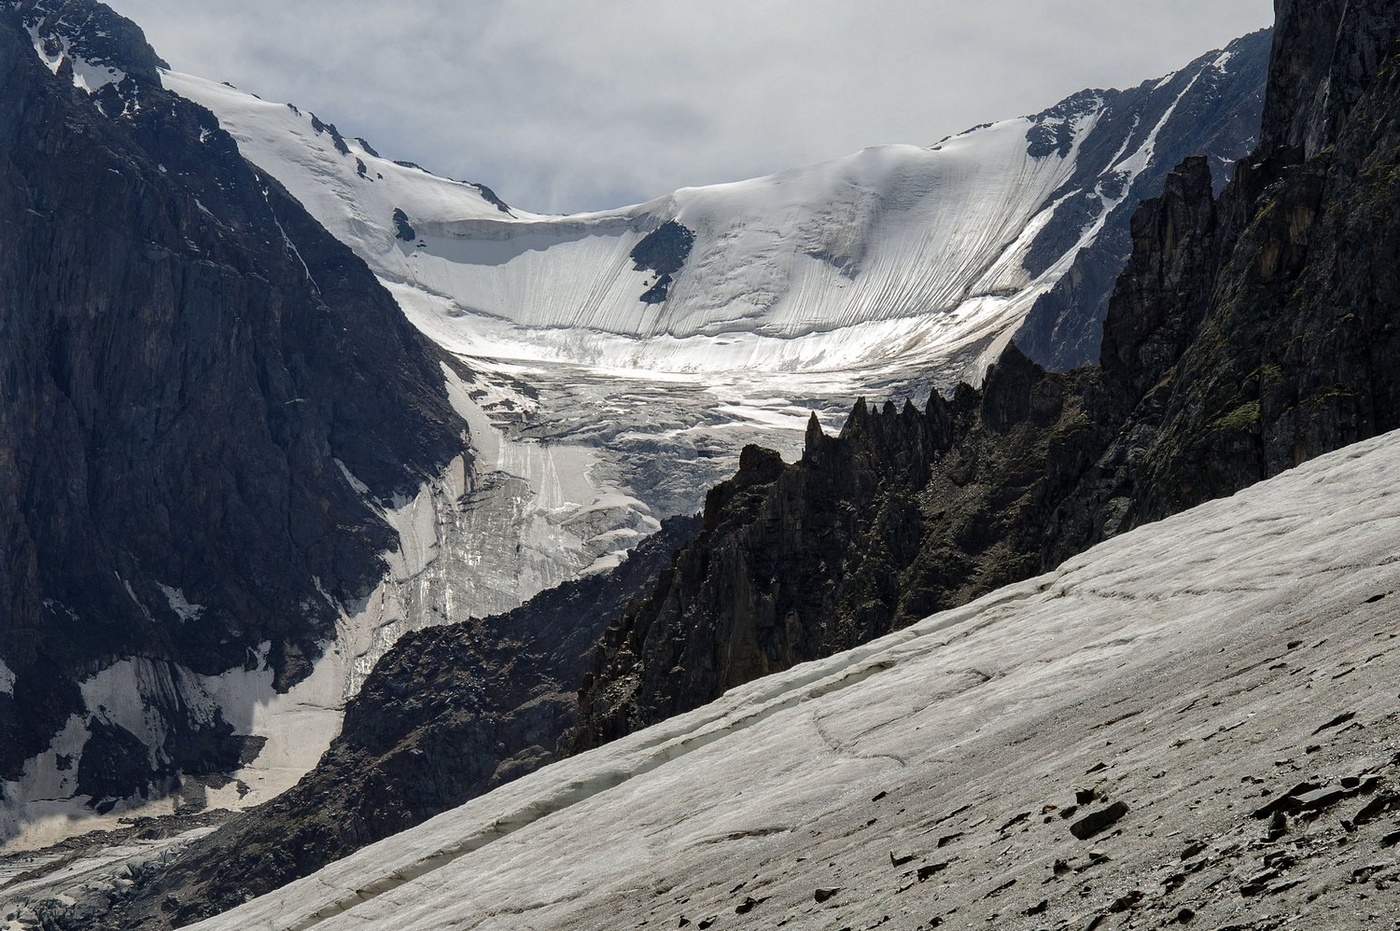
x: 927, y: 242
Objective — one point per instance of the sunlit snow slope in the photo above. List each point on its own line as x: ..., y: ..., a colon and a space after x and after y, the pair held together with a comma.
x: 897, y: 252
x: 1111, y: 739
x: 738, y: 308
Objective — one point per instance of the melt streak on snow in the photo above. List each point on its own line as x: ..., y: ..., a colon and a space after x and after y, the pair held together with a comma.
x: 1195, y: 671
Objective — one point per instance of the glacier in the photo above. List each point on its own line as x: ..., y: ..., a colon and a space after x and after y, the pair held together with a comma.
x: 724, y: 315
x: 601, y: 398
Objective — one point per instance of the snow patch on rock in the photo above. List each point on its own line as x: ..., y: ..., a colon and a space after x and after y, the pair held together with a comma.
x: 185, y: 609
x: 88, y: 76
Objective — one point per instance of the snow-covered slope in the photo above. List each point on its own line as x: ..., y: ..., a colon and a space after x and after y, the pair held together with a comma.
x: 1192, y: 723
x: 933, y: 238
x: 722, y: 315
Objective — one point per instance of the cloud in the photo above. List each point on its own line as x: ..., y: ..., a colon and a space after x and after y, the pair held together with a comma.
x: 561, y: 105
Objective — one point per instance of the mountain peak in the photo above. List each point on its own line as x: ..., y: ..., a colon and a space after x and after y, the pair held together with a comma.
x: 89, y: 32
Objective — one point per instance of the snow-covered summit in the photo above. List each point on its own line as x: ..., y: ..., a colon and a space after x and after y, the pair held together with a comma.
x: 895, y: 233
x: 336, y: 177
x: 104, y: 54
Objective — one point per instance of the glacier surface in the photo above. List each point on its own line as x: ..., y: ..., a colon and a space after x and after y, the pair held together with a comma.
x: 641, y: 348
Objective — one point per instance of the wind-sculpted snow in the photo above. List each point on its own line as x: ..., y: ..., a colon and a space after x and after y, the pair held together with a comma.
x: 1189, y: 723
x: 895, y: 231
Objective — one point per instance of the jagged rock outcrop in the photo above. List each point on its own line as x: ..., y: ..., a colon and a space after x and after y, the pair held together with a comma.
x: 906, y: 513
x: 1296, y: 352
x: 189, y: 367
x: 1156, y: 312
x: 448, y: 714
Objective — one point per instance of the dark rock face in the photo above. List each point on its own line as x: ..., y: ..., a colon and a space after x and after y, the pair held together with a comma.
x: 1155, y: 313
x: 1201, y: 110
x: 113, y: 760
x: 663, y: 251
x: 492, y: 198
x: 402, y: 228
x: 1099, y: 821
x: 1162, y: 294
x: 184, y: 357
x: 1296, y: 352
x: 1325, y: 55
x: 450, y: 713
x: 336, y: 138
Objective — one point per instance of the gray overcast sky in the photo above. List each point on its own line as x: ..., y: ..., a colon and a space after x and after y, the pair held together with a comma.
x: 567, y: 105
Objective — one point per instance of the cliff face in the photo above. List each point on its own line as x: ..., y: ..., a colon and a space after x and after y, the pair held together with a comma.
x: 1296, y: 352
x: 189, y: 368
x: 1247, y: 334
x: 1324, y: 60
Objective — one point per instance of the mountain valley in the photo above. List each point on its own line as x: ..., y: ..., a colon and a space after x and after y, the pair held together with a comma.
x: 1015, y: 590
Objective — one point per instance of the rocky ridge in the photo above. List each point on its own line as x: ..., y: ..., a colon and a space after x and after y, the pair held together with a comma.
x: 1064, y: 327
